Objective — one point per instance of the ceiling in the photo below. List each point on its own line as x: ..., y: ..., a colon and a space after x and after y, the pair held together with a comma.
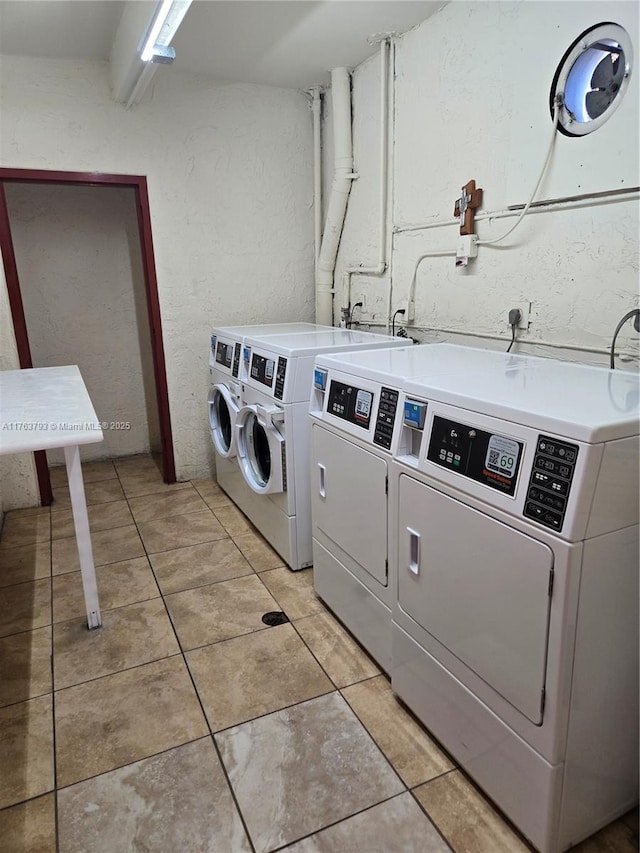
x: 289, y: 43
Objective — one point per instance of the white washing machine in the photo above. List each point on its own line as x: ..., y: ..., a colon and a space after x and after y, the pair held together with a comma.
x: 224, y: 368
x: 272, y: 433
x: 515, y: 628
x: 225, y: 395
x: 354, y: 427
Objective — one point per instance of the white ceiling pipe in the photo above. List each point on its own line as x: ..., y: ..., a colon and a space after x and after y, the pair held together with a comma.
x: 381, y: 266
x: 340, y: 188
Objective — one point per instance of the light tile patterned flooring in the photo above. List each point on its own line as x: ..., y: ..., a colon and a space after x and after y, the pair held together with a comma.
x: 185, y: 723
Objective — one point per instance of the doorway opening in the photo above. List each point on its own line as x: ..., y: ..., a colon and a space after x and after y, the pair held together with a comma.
x: 129, y: 338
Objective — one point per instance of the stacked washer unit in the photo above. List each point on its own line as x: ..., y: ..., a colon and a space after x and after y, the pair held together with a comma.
x: 355, y: 424
x: 515, y: 628
x: 225, y: 395
x: 272, y: 432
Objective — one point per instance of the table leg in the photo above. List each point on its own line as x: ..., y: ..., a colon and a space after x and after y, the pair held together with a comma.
x: 83, y: 536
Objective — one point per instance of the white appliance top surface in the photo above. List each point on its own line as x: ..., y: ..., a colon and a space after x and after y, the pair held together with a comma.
x: 45, y: 407
x: 590, y: 404
x: 327, y: 340
x: 266, y: 329
x: 424, y: 360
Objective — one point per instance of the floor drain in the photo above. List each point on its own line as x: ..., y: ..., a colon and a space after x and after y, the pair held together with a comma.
x: 275, y: 617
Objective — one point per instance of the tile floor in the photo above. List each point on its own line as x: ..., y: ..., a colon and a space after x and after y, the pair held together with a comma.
x: 185, y: 723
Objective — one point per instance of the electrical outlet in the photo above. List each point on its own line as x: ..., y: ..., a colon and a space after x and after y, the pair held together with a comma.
x: 525, y: 313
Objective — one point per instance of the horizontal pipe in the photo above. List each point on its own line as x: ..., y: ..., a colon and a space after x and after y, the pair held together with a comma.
x: 534, y: 343
x: 536, y: 207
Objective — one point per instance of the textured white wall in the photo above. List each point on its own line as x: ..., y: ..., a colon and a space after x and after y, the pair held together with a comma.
x: 229, y: 169
x: 79, y: 262
x: 471, y: 101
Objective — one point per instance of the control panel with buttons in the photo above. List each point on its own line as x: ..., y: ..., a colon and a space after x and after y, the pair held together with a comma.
x: 350, y: 403
x: 386, y: 418
x: 236, y: 360
x: 278, y: 388
x: 550, y: 482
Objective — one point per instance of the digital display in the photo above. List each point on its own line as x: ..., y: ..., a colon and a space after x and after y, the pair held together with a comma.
x: 320, y: 379
x: 502, y: 455
x: 485, y: 457
x: 262, y: 369
x: 414, y: 413
x: 224, y: 353
x: 363, y: 405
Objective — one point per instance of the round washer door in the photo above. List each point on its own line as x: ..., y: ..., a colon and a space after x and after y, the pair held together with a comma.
x: 223, y: 411
x: 261, y: 452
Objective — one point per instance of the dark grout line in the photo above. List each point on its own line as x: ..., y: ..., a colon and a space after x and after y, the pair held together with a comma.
x: 53, y: 700
x: 126, y: 764
x: 425, y: 812
x: 116, y: 672
x: 107, y: 609
x: 192, y: 545
x: 27, y: 699
x: 195, y: 688
x: 338, y: 822
x: 211, y: 733
x: 277, y: 711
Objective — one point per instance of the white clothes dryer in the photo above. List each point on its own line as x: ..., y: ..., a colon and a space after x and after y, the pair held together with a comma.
x: 514, y: 519
x: 354, y: 427
x: 272, y: 432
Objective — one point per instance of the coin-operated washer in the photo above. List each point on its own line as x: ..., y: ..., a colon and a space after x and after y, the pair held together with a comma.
x: 272, y: 432
x: 355, y: 424
x: 515, y: 628
x: 225, y: 394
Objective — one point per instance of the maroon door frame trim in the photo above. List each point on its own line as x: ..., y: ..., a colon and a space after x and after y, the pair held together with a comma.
x: 139, y: 184
x: 20, y: 329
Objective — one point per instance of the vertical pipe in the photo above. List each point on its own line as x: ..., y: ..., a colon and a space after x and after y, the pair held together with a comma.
x: 340, y: 188
x: 317, y: 174
x: 380, y: 267
x: 384, y: 152
x: 391, y: 170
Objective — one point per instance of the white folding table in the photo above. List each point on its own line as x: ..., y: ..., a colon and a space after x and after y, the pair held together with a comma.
x: 47, y: 407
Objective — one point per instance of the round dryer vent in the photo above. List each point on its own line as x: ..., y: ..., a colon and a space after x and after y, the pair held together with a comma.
x: 592, y: 78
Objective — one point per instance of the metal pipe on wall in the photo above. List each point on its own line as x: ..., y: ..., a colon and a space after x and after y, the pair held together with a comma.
x: 340, y: 189
x: 380, y: 267
x: 316, y: 106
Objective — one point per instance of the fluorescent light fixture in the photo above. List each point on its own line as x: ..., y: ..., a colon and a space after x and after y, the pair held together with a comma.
x: 167, y: 19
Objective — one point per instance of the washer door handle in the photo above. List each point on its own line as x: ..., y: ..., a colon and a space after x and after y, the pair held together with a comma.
x: 322, y: 473
x: 414, y: 551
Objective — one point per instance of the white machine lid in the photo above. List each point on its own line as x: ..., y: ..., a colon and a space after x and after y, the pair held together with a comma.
x: 328, y: 340
x: 414, y: 361
x: 590, y: 404
x: 266, y: 328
